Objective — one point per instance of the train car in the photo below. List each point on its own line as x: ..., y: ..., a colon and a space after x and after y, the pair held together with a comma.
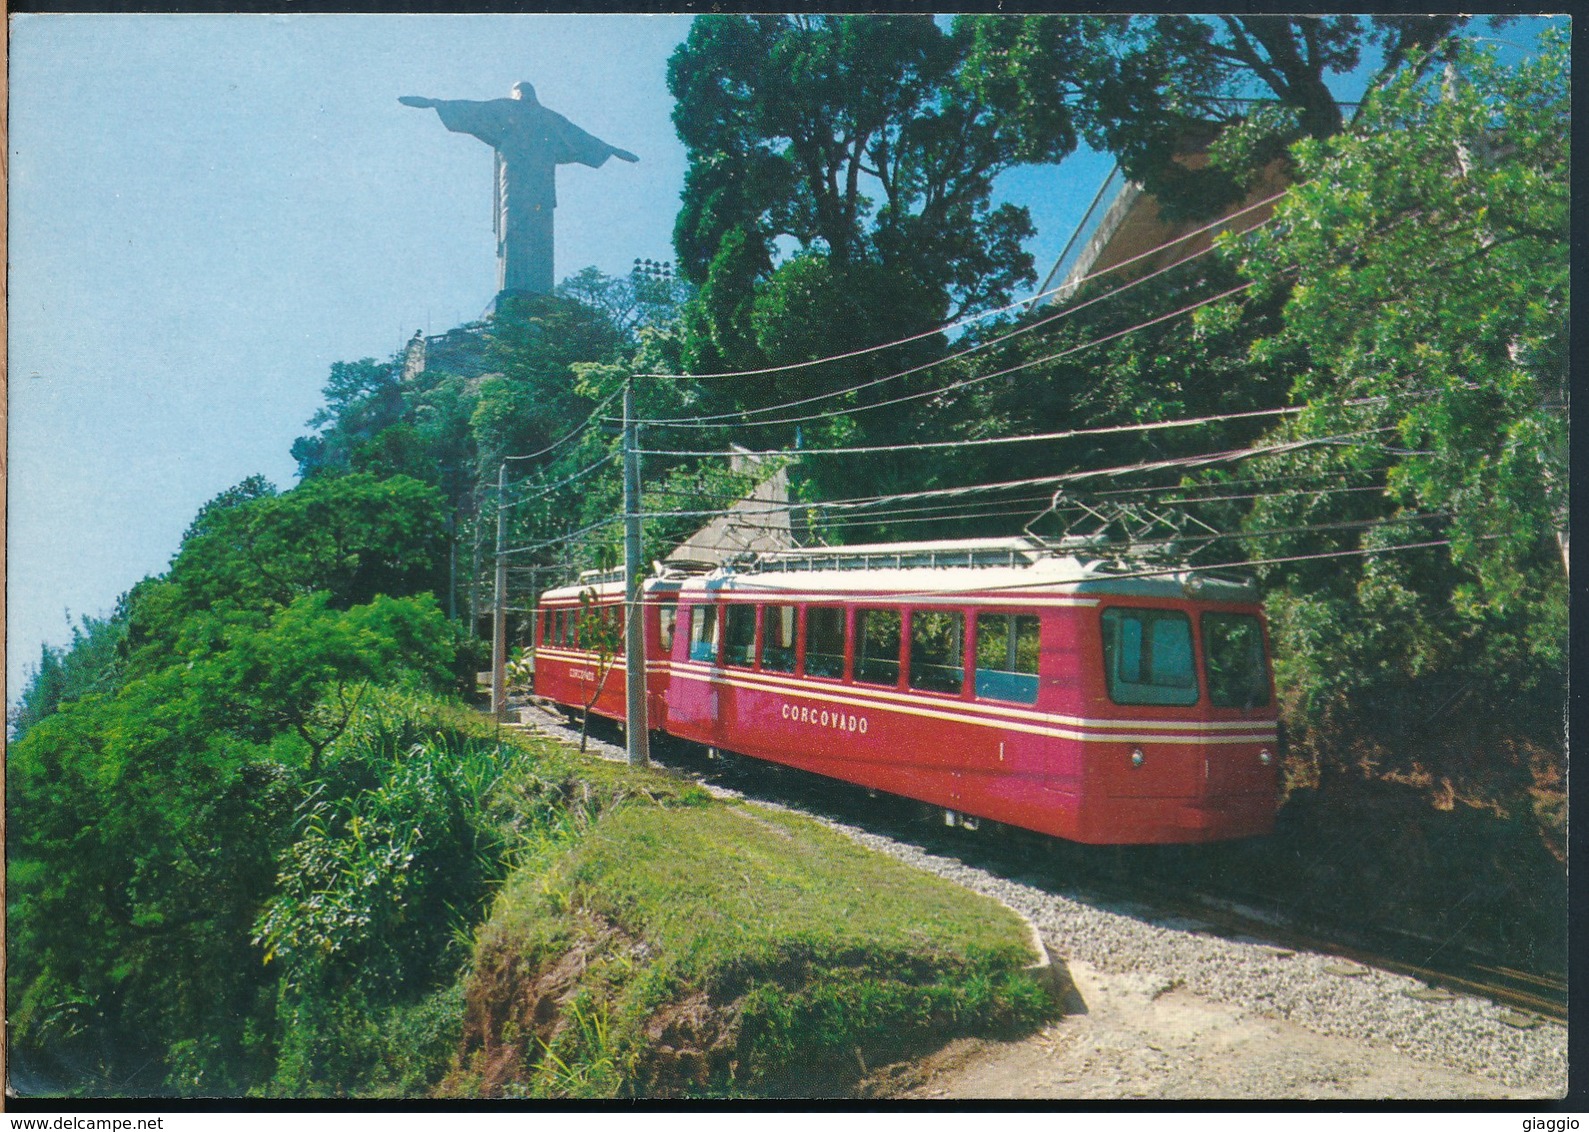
x: 569, y: 671
x: 1006, y: 679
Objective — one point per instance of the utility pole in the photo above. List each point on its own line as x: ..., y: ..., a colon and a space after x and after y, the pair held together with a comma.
x: 634, y: 653
x: 499, y: 620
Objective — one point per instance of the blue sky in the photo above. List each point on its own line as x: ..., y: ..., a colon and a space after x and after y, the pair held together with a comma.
x: 207, y: 211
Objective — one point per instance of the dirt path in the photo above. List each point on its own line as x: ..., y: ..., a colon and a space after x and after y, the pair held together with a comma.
x: 1145, y: 1038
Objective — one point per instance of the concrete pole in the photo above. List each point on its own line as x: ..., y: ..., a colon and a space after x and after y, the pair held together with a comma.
x: 499, y: 619
x: 639, y: 735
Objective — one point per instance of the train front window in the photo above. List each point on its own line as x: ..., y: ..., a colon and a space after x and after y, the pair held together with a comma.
x: 1148, y: 656
x: 937, y: 651
x: 825, y: 641
x: 877, y: 634
x: 703, y: 633
x: 1234, y: 661
x: 739, y: 634
x: 778, y: 639
x: 1007, y: 657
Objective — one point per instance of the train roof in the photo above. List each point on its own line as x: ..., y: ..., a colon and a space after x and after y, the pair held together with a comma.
x: 608, y: 584
x: 1043, y: 567
x: 1022, y: 566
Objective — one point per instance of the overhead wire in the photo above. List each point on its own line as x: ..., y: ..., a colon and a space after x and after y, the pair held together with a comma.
x: 1243, y: 481
x: 975, y: 442
x: 739, y: 415
x: 1202, y: 460
x: 579, y: 428
x: 1275, y: 532
x: 564, y: 482
x: 948, y: 327
x: 940, y: 391
x: 565, y: 537
x: 921, y: 512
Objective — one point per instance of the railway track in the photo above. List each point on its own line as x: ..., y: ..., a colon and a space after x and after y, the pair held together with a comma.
x: 1532, y: 996
x: 1103, y: 875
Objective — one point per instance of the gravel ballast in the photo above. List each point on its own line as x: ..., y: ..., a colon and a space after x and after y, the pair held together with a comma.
x: 1318, y: 992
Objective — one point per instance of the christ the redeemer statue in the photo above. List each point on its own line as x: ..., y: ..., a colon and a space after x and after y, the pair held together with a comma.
x: 530, y: 143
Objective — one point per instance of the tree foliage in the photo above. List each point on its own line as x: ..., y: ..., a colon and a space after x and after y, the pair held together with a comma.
x: 1423, y: 259
x: 146, y: 812
x: 863, y: 140
x: 1152, y: 89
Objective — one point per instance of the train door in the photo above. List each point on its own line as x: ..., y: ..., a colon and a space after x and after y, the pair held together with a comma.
x: 1013, y: 656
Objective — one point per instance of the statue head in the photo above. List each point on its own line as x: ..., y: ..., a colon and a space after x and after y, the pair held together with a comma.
x: 524, y: 91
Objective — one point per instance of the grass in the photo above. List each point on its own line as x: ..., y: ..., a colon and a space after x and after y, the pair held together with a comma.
x: 663, y: 944
x: 644, y: 939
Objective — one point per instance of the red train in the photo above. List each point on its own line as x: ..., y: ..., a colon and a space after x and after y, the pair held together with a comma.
x: 1006, y: 679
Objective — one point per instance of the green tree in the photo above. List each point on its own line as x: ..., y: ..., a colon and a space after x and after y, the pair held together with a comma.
x: 352, y: 537
x: 862, y: 139
x: 141, y: 840
x: 1165, y: 82
x: 599, y: 632
x: 632, y: 301
x: 1424, y: 263
x: 362, y: 399
x: 307, y: 670
x: 146, y: 828
x: 90, y: 663
x: 533, y: 344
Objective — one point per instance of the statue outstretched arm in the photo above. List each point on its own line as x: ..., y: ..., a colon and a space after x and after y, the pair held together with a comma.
x: 579, y: 146
x: 487, y: 121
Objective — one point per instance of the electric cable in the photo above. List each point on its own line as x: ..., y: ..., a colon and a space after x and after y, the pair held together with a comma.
x: 851, y: 410
x: 976, y: 442
x: 948, y: 327
x: 611, y: 397
x: 1064, y: 477
x: 549, y: 488
x: 738, y: 415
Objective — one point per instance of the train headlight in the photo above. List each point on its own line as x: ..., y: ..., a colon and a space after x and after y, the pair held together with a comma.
x: 1265, y: 757
x: 1136, y: 756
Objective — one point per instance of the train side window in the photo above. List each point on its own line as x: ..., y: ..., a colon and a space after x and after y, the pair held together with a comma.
x: 667, y: 617
x: 778, y: 639
x: 877, y: 635
x: 937, y: 651
x: 739, y: 634
x: 1007, y: 657
x: 703, y: 633
x: 1234, y: 662
x: 824, y: 641
x: 1148, y: 656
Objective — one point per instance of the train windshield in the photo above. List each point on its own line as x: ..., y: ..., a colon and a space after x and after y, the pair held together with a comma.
x: 1148, y: 656
x: 1234, y: 658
